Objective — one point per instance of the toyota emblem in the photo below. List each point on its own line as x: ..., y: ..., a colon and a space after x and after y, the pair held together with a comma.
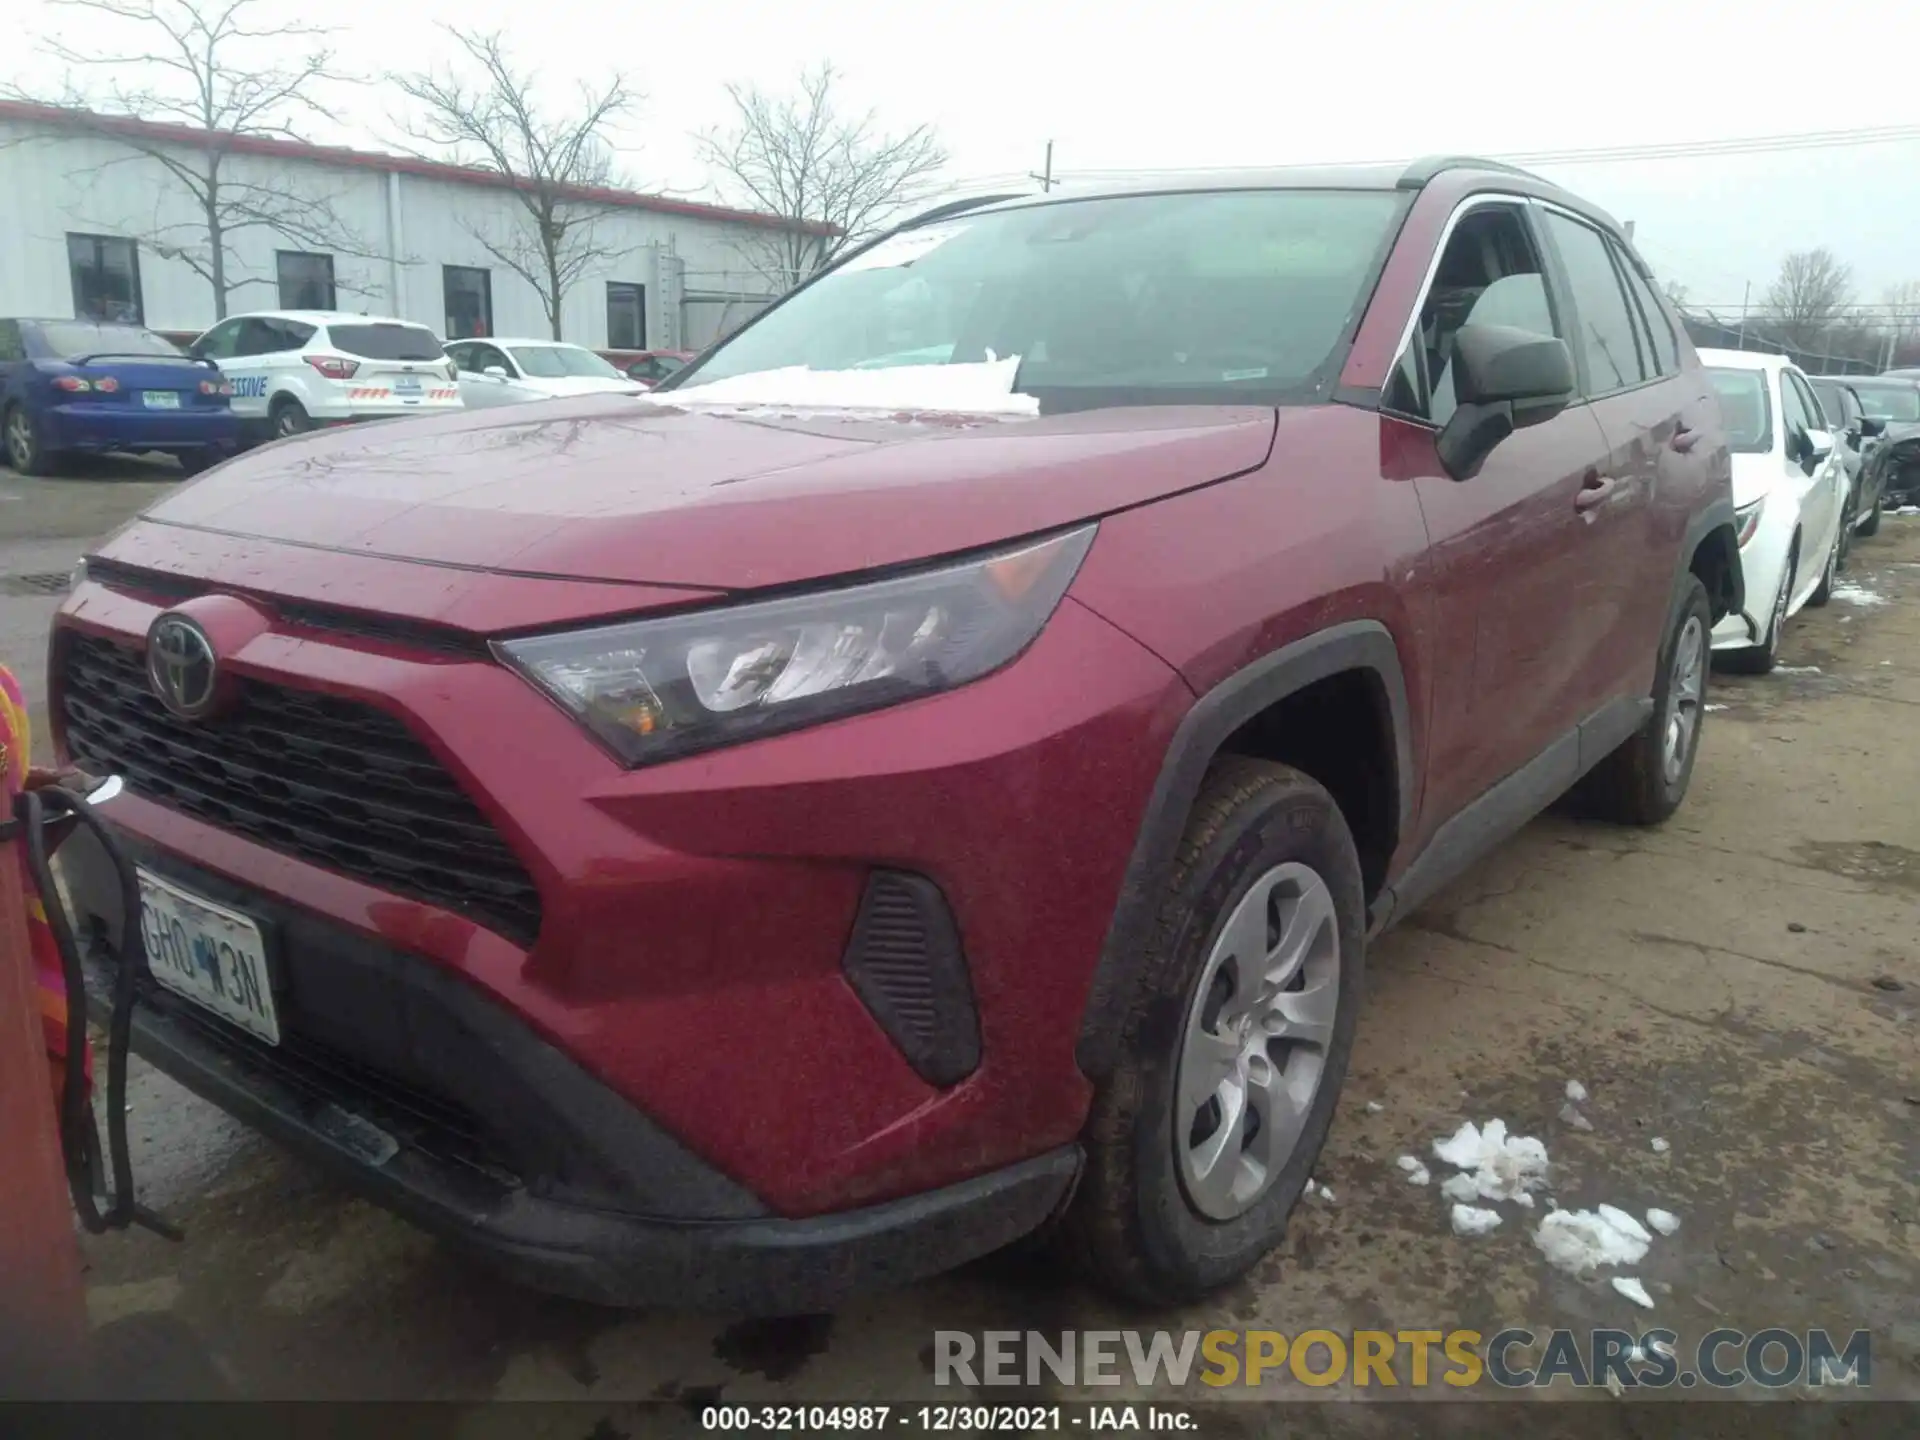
x: 181, y: 666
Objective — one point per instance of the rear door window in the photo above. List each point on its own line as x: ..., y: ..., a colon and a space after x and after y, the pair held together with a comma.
x: 1607, y: 335
x: 1745, y: 409
x: 386, y: 342
x: 1665, y: 353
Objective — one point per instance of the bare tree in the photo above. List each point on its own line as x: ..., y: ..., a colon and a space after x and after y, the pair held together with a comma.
x: 835, y: 178
x: 210, y: 73
x: 494, y: 120
x: 1809, y: 297
x: 1676, y: 293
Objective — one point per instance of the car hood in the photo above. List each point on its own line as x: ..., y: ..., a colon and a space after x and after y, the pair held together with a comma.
x: 620, y: 489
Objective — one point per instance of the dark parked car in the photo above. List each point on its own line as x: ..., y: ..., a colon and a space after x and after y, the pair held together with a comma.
x: 1858, y: 433
x: 83, y: 386
x: 730, y: 857
x: 1896, y: 459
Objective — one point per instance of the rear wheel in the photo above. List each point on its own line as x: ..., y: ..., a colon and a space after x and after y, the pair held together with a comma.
x: 1234, y: 1045
x: 1645, y: 779
x: 288, y: 417
x: 1760, y: 659
x: 25, y: 453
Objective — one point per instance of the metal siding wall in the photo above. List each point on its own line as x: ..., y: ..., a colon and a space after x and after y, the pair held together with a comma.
x: 57, y: 183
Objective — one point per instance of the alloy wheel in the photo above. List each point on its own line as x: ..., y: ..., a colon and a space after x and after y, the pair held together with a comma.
x: 1256, y: 1038
x: 1686, y: 689
x: 19, y: 440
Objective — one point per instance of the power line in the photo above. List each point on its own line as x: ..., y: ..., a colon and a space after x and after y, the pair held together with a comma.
x: 1597, y: 155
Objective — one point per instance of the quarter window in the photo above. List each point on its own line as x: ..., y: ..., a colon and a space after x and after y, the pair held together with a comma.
x: 1655, y: 323
x: 106, y: 279
x: 1606, y: 334
x: 1795, y: 410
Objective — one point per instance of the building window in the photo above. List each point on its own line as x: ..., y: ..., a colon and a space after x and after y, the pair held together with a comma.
x: 626, y: 316
x: 469, y: 294
x: 106, y: 278
x: 306, y: 281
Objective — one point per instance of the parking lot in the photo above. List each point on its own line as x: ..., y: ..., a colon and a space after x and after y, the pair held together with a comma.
x: 1741, y: 985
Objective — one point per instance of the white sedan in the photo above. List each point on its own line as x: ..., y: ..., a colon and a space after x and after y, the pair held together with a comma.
x: 1790, y: 495
x: 511, y: 372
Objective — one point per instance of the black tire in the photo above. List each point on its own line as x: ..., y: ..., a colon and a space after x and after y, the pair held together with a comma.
x: 288, y: 417
x: 195, y: 461
x: 1631, y: 786
x: 1132, y: 1227
x: 1824, y: 592
x: 1760, y: 659
x: 20, y: 434
x: 1871, y: 525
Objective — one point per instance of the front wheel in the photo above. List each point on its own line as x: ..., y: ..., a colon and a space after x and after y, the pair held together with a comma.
x: 1234, y: 1045
x: 1760, y: 659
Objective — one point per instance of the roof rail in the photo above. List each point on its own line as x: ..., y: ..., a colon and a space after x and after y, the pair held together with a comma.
x: 1421, y: 171
x: 955, y: 207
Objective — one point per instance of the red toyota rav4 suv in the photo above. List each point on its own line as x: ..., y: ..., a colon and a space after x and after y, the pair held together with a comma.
x: 736, y: 854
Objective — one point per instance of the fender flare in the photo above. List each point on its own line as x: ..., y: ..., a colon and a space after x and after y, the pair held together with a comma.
x: 1716, y: 516
x: 1354, y: 645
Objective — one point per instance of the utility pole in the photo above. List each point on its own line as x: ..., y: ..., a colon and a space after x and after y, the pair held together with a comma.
x: 1741, y: 342
x: 1046, y: 176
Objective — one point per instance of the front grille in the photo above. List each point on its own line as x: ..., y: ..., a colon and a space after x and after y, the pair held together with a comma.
x: 328, y: 780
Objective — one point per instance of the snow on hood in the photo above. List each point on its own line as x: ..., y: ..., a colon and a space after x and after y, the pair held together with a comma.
x: 985, y: 388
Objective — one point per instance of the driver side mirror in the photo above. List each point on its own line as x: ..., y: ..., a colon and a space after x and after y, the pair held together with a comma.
x: 1504, y: 378
x: 1872, y: 425
x: 499, y: 372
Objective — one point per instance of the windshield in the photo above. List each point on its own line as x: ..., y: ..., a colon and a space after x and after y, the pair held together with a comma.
x: 1220, y: 297
x: 1888, y: 402
x: 558, y: 362
x: 1744, y: 409
x: 385, y: 342
x: 71, y: 339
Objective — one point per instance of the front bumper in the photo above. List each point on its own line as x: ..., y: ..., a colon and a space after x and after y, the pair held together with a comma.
x: 695, y: 916
x: 429, y: 1099
x: 125, y: 427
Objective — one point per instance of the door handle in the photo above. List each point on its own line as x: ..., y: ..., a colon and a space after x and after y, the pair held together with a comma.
x: 1594, y: 491
x: 1684, y: 437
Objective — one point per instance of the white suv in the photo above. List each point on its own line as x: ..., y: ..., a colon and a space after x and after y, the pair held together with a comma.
x: 294, y: 369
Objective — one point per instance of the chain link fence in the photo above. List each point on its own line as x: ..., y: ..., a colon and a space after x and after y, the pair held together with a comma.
x: 1706, y: 330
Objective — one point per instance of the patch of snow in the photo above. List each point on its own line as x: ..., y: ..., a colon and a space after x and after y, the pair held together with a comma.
x: 1374, y: 1107
x: 1634, y: 1291
x: 984, y: 388
x: 1571, y: 1116
x: 1660, y: 1147
x: 1665, y: 1221
x: 1416, y: 1172
x: 1615, y: 1387
x: 1523, y: 1200
x: 1326, y: 1194
x: 1852, y: 593
x: 1460, y: 1186
x: 1624, y: 1223
x: 1796, y: 669
x: 1635, y: 1355
x: 1712, y: 708
x: 1472, y: 1220
x: 1577, y: 1241
x: 1576, y: 1092
x: 1498, y: 1166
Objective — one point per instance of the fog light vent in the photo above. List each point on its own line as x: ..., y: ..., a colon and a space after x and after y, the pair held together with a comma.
x: 904, y: 962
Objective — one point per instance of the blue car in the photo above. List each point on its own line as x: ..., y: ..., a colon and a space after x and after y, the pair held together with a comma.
x: 83, y: 386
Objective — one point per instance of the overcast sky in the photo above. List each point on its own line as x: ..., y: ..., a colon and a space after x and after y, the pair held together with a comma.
x: 1124, y: 85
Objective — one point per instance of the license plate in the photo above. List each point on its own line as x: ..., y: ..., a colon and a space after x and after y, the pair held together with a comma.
x: 406, y: 384
x: 208, y: 954
x: 160, y: 399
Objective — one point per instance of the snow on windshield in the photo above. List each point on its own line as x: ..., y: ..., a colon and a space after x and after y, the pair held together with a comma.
x: 981, y: 388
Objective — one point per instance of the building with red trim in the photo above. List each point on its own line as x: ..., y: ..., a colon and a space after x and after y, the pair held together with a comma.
x: 95, y: 222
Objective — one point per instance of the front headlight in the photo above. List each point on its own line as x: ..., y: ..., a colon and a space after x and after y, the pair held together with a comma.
x: 651, y: 690
x: 1747, y: 520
